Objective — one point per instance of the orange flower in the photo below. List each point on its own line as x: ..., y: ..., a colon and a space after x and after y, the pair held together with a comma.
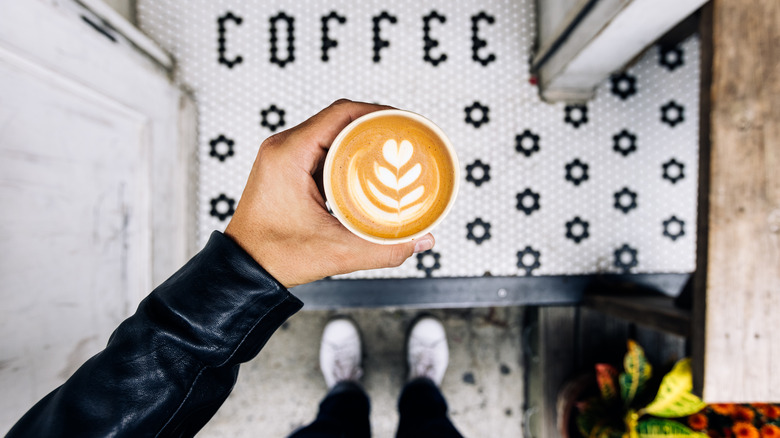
x: 743, y: 414
x: 723, y: 409
x: 744, y: 430
x: 770, y: 431
x: 771, y: 412
x: 698, y: 422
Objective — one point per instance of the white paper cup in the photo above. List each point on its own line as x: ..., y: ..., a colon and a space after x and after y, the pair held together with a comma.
x: 334, y: 150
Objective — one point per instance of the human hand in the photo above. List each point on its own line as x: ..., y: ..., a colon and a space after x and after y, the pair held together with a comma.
x: 281, y: 219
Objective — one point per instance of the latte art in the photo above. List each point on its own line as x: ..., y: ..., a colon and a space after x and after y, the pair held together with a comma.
x: 390, y: 176
x: 395, y: 192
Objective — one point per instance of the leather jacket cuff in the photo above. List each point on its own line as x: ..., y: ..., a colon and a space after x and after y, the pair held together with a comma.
x: 168, y: 368
x: 225, y: 303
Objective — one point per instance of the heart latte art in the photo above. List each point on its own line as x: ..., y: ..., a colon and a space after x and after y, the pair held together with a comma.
x: 394, y: 194
x: 392, y: 177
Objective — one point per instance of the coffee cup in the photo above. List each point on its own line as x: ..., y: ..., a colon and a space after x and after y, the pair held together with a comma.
x: 391, y: 176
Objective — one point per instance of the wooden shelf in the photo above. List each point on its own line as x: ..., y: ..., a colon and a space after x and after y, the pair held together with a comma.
x: 735, y: 342
x: 654, y: 311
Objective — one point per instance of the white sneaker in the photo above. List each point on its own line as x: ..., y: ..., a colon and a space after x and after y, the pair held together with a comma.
x: 340, y: 352
x: 427, y: 351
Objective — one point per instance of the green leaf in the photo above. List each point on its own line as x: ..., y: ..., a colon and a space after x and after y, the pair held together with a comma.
x: 603, y: 430
x: 631, y: 420
x: 585, y: 424
x: 606, y: 377
x: 660, y: 428
x: 590, y: 412
x: 674, y: 398
x: 637, y: 373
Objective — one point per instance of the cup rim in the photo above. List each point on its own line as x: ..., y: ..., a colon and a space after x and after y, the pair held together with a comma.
x: 337, y: 143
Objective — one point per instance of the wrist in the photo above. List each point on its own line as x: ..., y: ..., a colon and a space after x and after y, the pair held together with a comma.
x: 267, y: 252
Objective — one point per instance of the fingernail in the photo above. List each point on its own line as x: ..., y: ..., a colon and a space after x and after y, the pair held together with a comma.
x: 424, y: 244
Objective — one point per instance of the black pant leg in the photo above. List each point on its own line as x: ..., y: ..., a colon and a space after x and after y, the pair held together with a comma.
x: 423, y: 412
x: 343, y: 413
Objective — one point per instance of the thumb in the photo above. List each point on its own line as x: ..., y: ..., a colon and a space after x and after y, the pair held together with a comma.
x: 388, y: 256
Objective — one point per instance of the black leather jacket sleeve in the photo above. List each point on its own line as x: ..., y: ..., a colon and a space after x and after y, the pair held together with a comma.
x: 168, y: 368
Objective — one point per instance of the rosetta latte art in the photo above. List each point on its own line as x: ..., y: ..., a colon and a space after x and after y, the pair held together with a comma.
x: 392, y: 192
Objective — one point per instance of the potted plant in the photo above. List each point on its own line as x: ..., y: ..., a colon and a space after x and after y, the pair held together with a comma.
x: 621, y: 410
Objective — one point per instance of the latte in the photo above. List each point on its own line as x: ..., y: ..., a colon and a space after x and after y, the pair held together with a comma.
x: 390, y: 176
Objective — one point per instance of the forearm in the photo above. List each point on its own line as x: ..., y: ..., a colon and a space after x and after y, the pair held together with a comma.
x: 168, y: 368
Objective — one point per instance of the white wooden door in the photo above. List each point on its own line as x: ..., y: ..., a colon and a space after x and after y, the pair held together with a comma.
x: 93, y: 190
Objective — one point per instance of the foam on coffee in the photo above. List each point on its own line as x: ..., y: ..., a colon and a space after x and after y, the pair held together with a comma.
x: 392, y: 177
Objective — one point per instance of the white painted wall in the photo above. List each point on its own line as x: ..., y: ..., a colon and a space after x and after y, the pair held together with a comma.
x: 126, y: 8
x: 74, y: 231
x: 95, y: 147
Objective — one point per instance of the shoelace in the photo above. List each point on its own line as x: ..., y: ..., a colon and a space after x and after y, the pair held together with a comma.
x: 423, y: 365
x: 345, y: 367
x: 423, y: 360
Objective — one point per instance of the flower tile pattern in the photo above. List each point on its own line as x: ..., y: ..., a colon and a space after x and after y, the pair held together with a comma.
x: 548, y: 188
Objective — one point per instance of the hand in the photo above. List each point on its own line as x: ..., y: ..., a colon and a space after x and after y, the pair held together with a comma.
x: 281, y: 219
